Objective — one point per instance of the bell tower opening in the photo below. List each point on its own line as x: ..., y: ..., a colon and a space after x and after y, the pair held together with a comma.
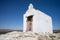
x: 29, y: 23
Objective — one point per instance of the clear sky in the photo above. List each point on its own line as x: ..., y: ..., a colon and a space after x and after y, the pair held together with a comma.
x: 11, y: 12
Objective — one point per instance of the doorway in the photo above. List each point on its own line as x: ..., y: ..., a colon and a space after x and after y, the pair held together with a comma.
x: 29, y: 23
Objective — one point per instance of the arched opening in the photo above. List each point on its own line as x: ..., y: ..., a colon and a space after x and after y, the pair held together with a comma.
x: 29, y: 23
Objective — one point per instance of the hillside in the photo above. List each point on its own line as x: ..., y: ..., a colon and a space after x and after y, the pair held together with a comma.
x: 3, y: 31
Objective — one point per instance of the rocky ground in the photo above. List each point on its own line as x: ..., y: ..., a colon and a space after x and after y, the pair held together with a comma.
x: 16, y: 35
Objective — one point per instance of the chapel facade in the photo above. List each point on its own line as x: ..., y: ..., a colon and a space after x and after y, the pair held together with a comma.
x: 36, y: 21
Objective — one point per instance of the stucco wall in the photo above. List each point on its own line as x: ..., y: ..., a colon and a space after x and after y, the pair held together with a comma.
x: 42, y: 23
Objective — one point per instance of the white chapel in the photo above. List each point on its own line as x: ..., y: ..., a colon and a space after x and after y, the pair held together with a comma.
x: 36, y: 21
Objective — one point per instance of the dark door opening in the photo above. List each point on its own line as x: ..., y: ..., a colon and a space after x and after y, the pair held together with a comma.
x: 29, y: 23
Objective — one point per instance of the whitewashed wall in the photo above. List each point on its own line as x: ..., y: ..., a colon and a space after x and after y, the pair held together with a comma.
x: 41, y: 21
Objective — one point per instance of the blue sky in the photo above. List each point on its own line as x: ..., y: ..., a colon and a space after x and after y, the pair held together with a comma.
x: 11, y: 12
